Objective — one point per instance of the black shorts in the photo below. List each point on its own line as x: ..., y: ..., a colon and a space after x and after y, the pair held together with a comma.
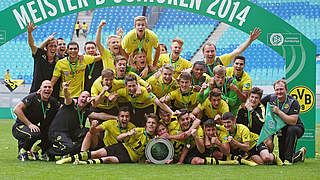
x: 113, y: 111
x: 119, y: 151
x: 138, y: 118
x: 192, y: 154
x: 257, y: 149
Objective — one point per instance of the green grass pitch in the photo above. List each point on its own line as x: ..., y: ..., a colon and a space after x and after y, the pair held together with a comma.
x: 11, y: 168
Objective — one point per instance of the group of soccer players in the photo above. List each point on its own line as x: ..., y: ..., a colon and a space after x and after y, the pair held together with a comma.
x: 210, y: 113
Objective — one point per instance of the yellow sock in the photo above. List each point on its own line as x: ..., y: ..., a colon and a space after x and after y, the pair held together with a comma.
x: 228, y: 162
x: 210, y: 161
x: 35, y: 148
x: 277, y: 160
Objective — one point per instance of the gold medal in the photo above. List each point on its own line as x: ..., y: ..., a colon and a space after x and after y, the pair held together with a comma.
x: 89, y: 77
x: 81, y: 126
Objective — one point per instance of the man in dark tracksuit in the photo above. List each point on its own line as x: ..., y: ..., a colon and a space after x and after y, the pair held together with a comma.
x: 34, y: 115
x: 288, y: 109
x: 67, y: 129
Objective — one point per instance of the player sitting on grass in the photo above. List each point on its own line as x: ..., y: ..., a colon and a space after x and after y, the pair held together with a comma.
x: 243, y: 144
x: 217, y: 147
x: 112, y: 129
x: 129, y: 151
x: 193, y: 140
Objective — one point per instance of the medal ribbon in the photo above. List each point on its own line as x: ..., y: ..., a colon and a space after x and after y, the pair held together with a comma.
x: 75, y: 68
x: 44, y: 109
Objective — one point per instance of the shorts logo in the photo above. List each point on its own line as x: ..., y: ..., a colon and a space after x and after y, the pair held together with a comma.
x: 276, y: 39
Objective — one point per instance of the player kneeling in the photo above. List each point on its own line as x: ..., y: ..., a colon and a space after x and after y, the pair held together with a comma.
x: 127, y: 152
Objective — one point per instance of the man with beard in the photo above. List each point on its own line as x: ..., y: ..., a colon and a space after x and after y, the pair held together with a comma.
x: 93, y: 70
x: 113, y: 44
x: 179, y: 64
x: 44, y: 60
x: 34, y: 115
x: 71, y: 68
x: 209, y: 51
x: 67, y: 129
x: 142, y: 38
x: 244, y: 82
x: 212, y: 108
x: 165, y: 83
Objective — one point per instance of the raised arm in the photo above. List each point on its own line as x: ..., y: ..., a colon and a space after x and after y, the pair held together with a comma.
x: 18, y: 110
x: 45, y: 42
x: 30, y: 29
x: 253, y: 36
x: 67, y: 96
x: 99, y: 99
x: 98, y: 37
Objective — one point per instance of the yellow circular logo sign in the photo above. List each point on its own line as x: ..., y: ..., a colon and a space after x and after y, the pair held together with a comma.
x: 304, y: 96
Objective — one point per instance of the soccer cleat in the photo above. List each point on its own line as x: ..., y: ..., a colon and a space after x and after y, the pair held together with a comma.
x: 23, y: 156
x: 287, y: 163
x: 34, y: 155
x: 303, y: 150
x: 249, y: 163
x: 64, y: 160
x: 277, y: 160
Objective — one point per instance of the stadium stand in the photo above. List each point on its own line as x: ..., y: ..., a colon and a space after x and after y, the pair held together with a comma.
x: 18, y: 53
x: 192, y: 28
x: 263, y: 64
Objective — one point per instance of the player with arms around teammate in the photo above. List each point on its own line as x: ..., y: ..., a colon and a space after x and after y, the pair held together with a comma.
x: 112, y: 129
x: 34, y: 115
x: 131, y: 150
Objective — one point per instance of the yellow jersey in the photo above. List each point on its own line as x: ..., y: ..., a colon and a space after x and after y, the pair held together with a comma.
x: 144, y: 100
x: 112, y: 130
x: 178, y: 65
x: 74, y: 72
x: 242, y: 134
x: 161, y: 89
x: 179, y: 145
x: 137, y: 143
x: 107, y: 59
x: 207, y: 108
x: 97, y: 88
x: 131, y: 42
x: 187, y: 100
x: 244, y: 83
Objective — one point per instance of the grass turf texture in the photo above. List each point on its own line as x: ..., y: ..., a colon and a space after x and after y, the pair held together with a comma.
x: 11, y: 168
